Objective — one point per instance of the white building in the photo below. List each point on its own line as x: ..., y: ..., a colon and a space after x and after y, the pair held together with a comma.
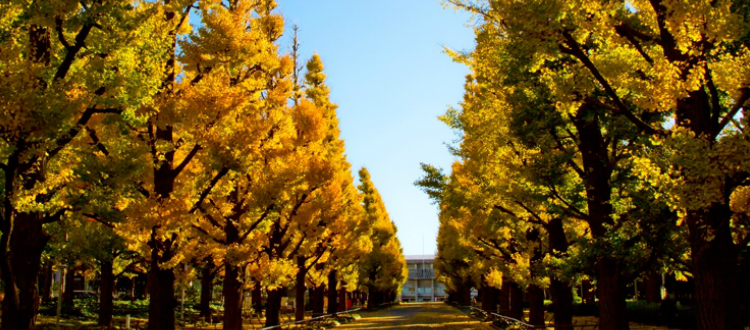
x: 421, y: 284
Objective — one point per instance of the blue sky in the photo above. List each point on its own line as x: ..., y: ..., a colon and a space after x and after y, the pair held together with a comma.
x: 391, y: 80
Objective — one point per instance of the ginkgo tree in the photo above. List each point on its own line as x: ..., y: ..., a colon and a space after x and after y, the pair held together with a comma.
x: 65, y: 65
x: 338, y: 217
x: 173, y: 143
x: 215, y: 107
x: 511, y: 119
x: 645, y: 59
x: 383, y: 271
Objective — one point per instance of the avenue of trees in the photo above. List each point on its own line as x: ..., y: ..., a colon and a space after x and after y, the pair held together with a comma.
x: 602, y: 141
x: 133, y: 142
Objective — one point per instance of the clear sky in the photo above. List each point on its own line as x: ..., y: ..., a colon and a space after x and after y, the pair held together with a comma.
x: 390, y: 78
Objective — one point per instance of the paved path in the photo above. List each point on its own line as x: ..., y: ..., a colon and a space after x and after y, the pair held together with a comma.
x: 416, y: 316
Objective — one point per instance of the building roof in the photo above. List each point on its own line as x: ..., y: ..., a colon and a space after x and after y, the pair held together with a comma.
x: 420, y: 257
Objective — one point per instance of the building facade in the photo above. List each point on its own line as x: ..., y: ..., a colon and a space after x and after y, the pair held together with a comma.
x: 421, y: 284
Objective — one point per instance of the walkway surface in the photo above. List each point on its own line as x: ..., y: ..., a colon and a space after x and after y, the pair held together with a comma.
x: 416, y: 316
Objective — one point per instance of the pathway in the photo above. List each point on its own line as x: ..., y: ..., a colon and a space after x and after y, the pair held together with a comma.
x: 416, y: 316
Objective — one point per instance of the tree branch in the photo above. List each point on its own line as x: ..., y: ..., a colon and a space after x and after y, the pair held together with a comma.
x: 503, y: 209
x: 186, y: 161
x: 97, y: 219
x: 72, y: 51
x: 60, y: 34
x: 568, y: 207
x: 125, y: 269
x: 96, y: 140
x: 570, y: 162
x: 208, y: 189
x: 222, y: 242
x: 504, y: 254
x: 625, y: 31
x: 256, y: 223
x: 73, y: 132
x: 533, y: 214
x: 739, y: 103
x: 210, y: 218
x: 638, y: 34
x: 715, y: 106
x: 576, y: 51
x: 142, y: 190
x: 294, y: 251
x: 55, y: 217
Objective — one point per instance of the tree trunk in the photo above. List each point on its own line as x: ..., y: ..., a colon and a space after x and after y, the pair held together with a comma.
x: 105, y: 293
x: 19, y: 268
x: 46, y: 291
x: 562, y: 300
x: 489, y: 298
x: 162, y: 305
x: 232, y: 292
x: 299, y: 290
x: 535, y: 293
x: 332, y: 292
x: 257, y: 298
x: 516, y: 301
x: 461, y: 295
x: 371, y: 298
x: 715, y: 271
x: 536, y: 305
x: 504, y: 297
x: 161, y: 281
x: 23, y: 237
x: 273, y: 307
x: 147, y: 288
x: 588, y: 293
x: 598, y: 172
x: 207, y: 289
x: 653, y: 287
x: 132, y: 288
x: 562, y: 293
x: 713, y: 251
x: 610, y: 288
x: 68, y: 294
x: 342, y: 298
x: 465, y: 295
x: 318, y: 300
